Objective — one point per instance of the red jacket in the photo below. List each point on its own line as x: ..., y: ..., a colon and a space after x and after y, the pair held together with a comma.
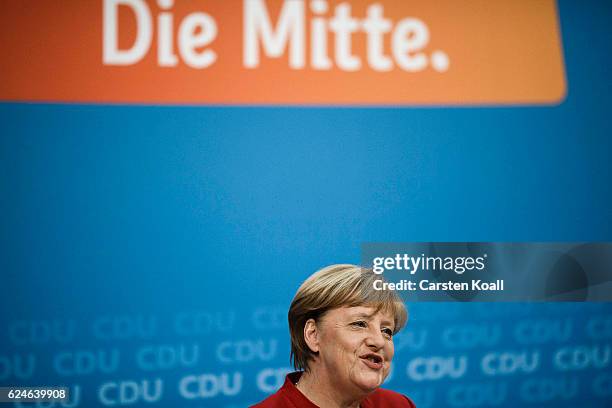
x: 288, y: 396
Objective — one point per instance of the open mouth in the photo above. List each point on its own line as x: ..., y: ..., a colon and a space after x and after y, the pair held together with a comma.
x: 373, y: 361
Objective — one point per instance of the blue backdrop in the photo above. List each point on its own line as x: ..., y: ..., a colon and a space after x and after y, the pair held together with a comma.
x: 149, y: 253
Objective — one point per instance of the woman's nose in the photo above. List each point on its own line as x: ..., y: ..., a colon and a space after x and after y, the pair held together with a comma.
x: 375, y: 338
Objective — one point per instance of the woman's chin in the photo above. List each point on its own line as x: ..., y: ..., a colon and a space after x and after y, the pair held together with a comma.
x: 369, y: 381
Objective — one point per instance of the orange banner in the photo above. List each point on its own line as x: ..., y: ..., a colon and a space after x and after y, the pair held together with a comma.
x: 317, y: 52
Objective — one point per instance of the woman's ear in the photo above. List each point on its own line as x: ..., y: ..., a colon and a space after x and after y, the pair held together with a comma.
x: 311, y: 335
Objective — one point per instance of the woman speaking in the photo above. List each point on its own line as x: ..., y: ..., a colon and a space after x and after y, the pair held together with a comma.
x: 341, y: 342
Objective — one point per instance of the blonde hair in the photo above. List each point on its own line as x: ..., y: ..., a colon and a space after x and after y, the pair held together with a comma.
x: 333, y: 287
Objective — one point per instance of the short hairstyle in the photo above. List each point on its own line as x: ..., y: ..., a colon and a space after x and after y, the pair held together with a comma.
x: 333, y: 287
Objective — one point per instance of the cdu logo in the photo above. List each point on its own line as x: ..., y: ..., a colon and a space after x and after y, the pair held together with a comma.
x: 471, y: 335
x: 602, y: 385
x: 166, y: 357
x: 243, y: 351
x: 210, y: 385
x: 202, y: 322
x: 413, y: 340
x: 124, y: 327
x: 543, y: 331
x: 17, y: 366
x: 271, y: 379
x: 437, y: 367
x: 507, y: 362
x: 82, y: 362
x: 477, y: 395
x: 599, y: 327
x: 540, y: 390
x: 269, y: 318
x: 582, y: 357
x: 41, y: 332
x: 130, y: 392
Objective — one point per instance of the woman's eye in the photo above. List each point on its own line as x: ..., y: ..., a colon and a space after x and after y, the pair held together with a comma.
x: 388, y: 332
x: 360, y: 324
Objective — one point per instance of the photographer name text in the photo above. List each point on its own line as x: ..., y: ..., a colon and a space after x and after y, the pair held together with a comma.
x: 427, y: 285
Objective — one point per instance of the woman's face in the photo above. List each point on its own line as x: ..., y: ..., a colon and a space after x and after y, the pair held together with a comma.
x: 356, y: 347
